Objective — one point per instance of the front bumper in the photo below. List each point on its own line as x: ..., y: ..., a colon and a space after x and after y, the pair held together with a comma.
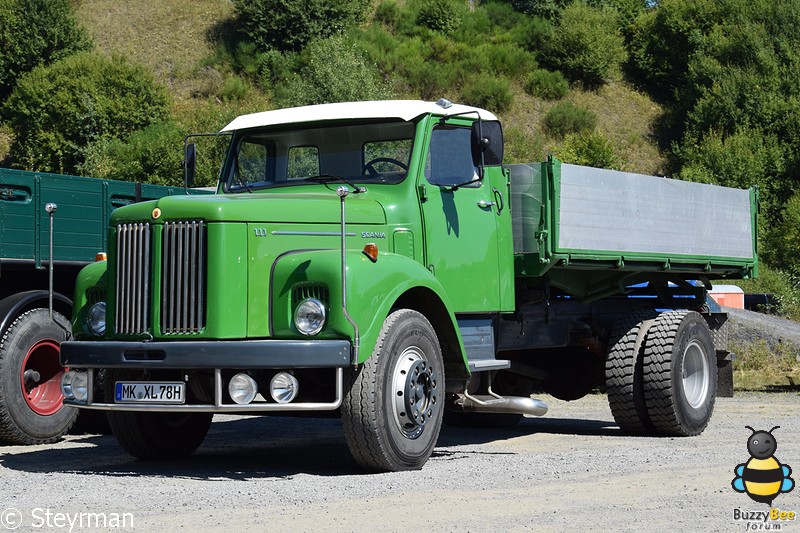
x: 206, y: 354
x: 209, y: 355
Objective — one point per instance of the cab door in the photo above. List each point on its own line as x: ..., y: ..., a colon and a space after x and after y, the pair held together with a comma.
x: 459, y: 213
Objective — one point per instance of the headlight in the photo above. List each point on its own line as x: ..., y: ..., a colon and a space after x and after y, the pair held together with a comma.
x: 309, y: 317
x: 96, y: 319
x: 66, y: 384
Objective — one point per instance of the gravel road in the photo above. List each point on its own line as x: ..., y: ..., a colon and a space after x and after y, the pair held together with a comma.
x: 571, y: 470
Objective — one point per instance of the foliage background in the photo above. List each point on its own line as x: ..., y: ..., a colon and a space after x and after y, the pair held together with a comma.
x: 703, y: 90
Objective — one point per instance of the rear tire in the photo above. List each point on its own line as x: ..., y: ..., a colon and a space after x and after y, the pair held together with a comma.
x: 31, y: 409
x: 680, y: 373
x: 392, y: 410
x: 624, y: 369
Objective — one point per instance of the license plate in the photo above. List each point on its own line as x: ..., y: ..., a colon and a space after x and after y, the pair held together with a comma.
x: 150, y: 392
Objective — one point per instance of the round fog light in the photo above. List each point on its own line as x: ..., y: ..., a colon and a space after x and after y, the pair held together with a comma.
x: 284, y: 387
x: 242, y: 388
x: 96, y: 319
x: 80, y: 389
x: 66, y: 384
x: 309, y: 317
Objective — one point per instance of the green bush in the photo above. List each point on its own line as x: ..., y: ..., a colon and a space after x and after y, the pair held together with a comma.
x: 585, y: 46
x: 547, y: 85
x: 590, y: 149
x: 388, y: 12
x: 565, y: 118
x: 33, y: 33
x: 291, y: 24
x: 549, y: 9
x: 488, y: 91
x: 150, y: 155
x: 56, y: 111
x: 234, y: 88
x: 333, y: 70
x: 443, y: 16
x: 505, y: 59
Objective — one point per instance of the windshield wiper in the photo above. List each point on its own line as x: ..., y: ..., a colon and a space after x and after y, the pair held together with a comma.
x: 239, y: 178
x: 326, y: 178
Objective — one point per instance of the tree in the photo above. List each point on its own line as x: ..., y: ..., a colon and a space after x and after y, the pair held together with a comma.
x: 586, y: 45
x: 33, y: 33
x: 288, y: 25
x: 56, y: 111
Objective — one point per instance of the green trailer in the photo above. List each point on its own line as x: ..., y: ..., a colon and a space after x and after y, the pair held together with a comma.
x: 31, y: 404
x: 377, y: 260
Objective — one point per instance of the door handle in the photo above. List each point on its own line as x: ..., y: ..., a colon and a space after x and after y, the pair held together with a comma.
x: 499, y: 197
x: 485, y: 203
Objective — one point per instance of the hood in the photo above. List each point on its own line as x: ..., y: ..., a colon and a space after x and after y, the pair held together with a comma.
x: 274, y: 207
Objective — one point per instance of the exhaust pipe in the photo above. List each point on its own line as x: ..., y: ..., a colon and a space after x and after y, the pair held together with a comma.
x: 481, y: 403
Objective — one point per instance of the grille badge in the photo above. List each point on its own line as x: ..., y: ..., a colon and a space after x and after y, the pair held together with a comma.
x: 156, y: 212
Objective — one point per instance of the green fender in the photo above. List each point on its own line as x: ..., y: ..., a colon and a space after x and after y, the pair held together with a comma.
x: 90, y: 287
x: 373, y: 290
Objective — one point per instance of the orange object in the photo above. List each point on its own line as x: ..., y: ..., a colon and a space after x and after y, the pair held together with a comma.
x: 728, y: 296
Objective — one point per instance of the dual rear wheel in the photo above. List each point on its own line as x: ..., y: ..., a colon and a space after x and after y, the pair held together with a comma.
x: 661, y: 373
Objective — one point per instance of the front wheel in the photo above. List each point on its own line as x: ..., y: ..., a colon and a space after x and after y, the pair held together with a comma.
x: 153, y: 435
x: 392, y: 410
x: 680, y: 373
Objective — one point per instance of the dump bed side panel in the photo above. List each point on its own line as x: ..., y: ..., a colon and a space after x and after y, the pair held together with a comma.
x: 619, y: 212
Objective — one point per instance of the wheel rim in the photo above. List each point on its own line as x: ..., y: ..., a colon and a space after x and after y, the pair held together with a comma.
x: 43, y: 395
x: 416, y: 392
x: 696, y: 373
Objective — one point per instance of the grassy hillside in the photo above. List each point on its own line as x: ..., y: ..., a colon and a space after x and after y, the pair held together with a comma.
x: 175, y: 39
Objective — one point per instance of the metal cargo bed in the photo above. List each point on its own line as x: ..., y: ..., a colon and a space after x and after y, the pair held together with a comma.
x: 623, y: 226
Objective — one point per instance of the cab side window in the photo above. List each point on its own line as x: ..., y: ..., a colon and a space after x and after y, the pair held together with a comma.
x: 449, y: 160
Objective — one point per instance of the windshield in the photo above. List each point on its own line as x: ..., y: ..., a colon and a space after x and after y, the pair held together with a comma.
x: 371, y: 153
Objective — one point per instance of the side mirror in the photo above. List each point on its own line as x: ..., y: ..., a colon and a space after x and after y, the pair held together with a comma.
x: 487, y: 143
x: 189, y: 164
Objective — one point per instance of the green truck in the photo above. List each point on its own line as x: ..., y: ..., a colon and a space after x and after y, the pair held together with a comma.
x: 74, y: 211
x: 378, y: 261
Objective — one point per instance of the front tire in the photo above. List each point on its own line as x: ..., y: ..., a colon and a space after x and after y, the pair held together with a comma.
x: 31, y: 404
x: 680, y: 374
x: 392, y: 410
x: 153, y: 435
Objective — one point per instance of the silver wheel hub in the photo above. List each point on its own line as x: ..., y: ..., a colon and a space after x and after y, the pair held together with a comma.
x: 696, y: 374
x: 415, y: 391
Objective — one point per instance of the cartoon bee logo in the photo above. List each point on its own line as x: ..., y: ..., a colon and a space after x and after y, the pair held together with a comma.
x: 762, y: 477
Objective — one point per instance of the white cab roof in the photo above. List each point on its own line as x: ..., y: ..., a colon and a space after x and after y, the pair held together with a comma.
x: 377, y: 109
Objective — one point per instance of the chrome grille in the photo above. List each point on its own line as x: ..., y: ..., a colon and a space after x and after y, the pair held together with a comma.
x: 183, y: 277
x: 133, y: 278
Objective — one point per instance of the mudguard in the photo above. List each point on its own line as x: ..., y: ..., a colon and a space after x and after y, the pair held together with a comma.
x: 373, y: 289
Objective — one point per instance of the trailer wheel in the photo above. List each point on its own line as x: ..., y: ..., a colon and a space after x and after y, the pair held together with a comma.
x: 624, y: 364
x: 31, y: 404
x: 392, y: 410
x: 153, y: 435
x: 680, y: 373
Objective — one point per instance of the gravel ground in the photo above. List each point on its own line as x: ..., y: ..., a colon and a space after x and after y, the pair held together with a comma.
x: 571, y: 470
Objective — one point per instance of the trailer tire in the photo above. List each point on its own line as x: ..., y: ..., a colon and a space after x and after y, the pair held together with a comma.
x: 680, y: 373
x: 624, y: 369
x: 393, y: 405
x: 32, y: 412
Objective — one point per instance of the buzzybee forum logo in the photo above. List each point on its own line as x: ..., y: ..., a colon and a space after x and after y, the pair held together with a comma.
x: 763, y: 478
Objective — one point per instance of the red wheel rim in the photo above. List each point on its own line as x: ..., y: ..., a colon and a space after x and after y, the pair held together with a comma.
x: 43, y: 396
